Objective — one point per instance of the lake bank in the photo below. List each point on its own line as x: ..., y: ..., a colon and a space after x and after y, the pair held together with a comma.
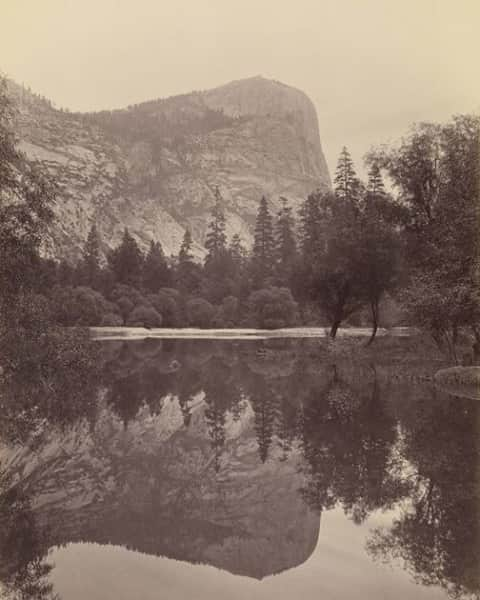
x: 130, y: 333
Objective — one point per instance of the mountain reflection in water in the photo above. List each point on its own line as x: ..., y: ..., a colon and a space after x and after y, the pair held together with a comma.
x: 219, y: 453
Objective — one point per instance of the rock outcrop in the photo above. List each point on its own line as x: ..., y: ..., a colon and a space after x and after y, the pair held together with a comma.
x: 153, y: 167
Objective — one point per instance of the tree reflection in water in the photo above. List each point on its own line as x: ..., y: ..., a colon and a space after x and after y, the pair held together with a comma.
x: 355, y: 440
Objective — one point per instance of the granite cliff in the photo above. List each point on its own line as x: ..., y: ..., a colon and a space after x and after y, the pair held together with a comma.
x: 153, y: 167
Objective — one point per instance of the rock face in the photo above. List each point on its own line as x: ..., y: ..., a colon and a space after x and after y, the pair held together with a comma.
x: 153, y: 167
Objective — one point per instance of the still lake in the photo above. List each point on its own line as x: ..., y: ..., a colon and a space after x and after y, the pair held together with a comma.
x: 242, y: 469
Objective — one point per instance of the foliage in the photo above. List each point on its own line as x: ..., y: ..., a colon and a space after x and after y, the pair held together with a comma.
x: 90, y: 264
x: 285, y: 243
x: 156, y: 273
x: 199, y: 312
x: 26, y: 199
x: 79, y: 306
x: 263, y: 254
x: 216, y: 240
x: 436, y: 170
x: 126, y: 261
x: 188, y: 274
x: 144, y: 316
x: 272, y: 307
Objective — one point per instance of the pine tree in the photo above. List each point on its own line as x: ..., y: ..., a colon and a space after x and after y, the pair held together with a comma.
x: 216, y: 240
x: 188, y: 274
x: 311, y: 229
x: 375, y: 186
x: 285, y: 242
x: 155, y: 270
x: 265, y: 410
x: 263, y: 257
x: 126, y: 261
x: 237, y: 252
x: 91, y: 259
x: 185, y: 255
x: 347, y: 184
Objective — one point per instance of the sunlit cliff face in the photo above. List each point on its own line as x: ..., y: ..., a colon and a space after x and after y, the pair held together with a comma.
x: 153, y: 168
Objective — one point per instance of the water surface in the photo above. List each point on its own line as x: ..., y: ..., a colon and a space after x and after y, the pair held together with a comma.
x: 240, y: 469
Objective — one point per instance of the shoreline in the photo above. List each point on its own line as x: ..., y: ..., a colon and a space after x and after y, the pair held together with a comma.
x: 140, y: 333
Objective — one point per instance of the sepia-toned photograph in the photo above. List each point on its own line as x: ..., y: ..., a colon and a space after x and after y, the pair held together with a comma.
x: 239, y: 300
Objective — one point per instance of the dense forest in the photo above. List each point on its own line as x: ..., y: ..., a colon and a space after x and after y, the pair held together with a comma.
x: 347, y: 257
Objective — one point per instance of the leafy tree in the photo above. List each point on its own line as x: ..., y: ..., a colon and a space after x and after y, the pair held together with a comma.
x: 79, y: 306
x: 166, y: 304
x: 111, y: 319
x: 199, y: 312
x: 336, y: 279
x: 144, y: 316
x: 26, y: 199
x: 436, y: 172
x: 273, y: 307
x: 227, y: 313
x: 126, y: 261
x: 379, y: 248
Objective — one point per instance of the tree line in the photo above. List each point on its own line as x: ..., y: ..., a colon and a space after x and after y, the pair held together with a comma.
x: 332, y: 263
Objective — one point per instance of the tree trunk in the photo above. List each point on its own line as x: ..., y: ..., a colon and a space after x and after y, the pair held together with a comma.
x: 333, y: 330
x: 374, y: 333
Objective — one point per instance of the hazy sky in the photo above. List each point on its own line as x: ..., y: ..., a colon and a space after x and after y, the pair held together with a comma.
x: 370, y: 66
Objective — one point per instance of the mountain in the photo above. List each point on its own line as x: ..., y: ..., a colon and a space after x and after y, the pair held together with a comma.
x: 153, y: 167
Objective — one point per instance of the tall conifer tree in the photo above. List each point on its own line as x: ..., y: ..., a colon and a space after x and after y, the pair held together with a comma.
x: 347, y: 184
x: 91, y: 259
x: 155, y: 271
x: 216, y: 240
x: 126, y: 261
x: 185, y: 255
x: 285, y: 242
x: 263, y: 257
x: 311, y: 229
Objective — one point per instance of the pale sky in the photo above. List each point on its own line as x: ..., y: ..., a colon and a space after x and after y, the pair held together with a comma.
x: 371, y: 67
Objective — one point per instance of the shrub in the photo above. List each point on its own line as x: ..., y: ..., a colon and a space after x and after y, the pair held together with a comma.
x: 227, y: 313
x: 126, y: 291
x: 79, y: 306
x: 111, y: 320
x: 125, y: 306
x: 273, y: 307
x: 199, y: 312
x: 166, y: 304
x: 144, y: 316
